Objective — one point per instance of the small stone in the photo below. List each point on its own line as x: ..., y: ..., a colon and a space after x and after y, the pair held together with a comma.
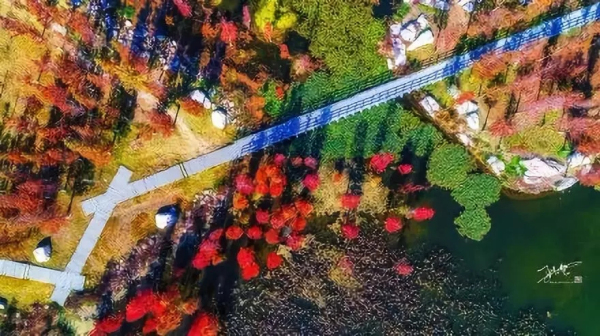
x: 43, y: 251
x: 167, y: 216
x: 220, y: 118
x: 3, y: 303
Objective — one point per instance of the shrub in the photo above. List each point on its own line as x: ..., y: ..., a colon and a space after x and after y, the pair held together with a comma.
x: 473, y: 223
x: 478, y: 190
x: 344, y: 34
x: 449, y: 165
x: 273, y: 105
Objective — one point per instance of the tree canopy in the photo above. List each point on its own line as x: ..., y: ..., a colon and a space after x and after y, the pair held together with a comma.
x: 449, y: 165
x: 473, y: 223
x: 342, y: 33
x: 478, y: 190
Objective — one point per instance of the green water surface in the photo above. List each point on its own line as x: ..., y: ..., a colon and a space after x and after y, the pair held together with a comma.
x: 526, y: 235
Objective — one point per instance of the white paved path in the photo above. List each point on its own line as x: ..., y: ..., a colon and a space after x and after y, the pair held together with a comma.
x: 121, y: 189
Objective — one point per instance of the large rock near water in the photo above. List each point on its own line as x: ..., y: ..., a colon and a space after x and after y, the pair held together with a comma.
x: 422, y: 40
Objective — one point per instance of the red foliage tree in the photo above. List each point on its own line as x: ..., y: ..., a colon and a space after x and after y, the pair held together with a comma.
x: 109, y: 324
x: 139, y: 306
x: 393, y: 224
x: 304, y: 207
x: 501, y: 128
x: 262, y: 216
x: 350, y: 201
x: 279, y: 159
x: 591, y: 178
x: 404, y: 268
x: 274, y: 260
x: 244, y: 184
x: 350, y: 231
x: 161, y: 123
x: 254, y: 233
x: 422, y: 214
x: 405, y: 169
x: 207, y: 254
x: 234, y: 232
x: 204, y: 325
x: 149, y: 326
x: 298, y: 224
x: 272, y: 236
x: 379, y: 162
x: 184, y: 8
x: 311, y: 162
x: 294, y: 241
x: 228, y: 31
x: 284, y: 51
x: 311, y: 182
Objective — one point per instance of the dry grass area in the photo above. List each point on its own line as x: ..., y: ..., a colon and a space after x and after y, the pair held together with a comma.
x: 24, y: 292
x: 201, y: 125
x: 134, y: 220
x: 64, y: 241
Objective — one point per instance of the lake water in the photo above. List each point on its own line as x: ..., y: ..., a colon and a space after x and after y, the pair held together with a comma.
x: 526, y: 235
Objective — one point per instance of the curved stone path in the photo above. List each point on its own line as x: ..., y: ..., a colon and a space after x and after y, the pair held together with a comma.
x: 121, y: 189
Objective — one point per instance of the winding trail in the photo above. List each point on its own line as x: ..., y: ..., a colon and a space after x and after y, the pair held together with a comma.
x: 121, y: 189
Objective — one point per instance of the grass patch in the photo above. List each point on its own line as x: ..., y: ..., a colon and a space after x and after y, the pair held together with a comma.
x: 543, y: 140
x: 202, y: 126
x: 439, y: 90
x: 421, y: 53
x: 24, y: 292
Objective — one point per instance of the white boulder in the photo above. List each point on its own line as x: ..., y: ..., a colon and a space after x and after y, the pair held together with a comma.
x: 473, y: 121
x: 220, y: 118
x: 467, y: 5
x: 395, y: 29
x: 163, y: 220
x: 422, y: 40
x: 577, y: 159
x: 537, y: 168
x: 496, y: 164
x: 466, y: 108
x: 422, y: 22
x: 409, y: 33
x: 43, y: 251
x: 565, y: 183
x: 439, y: 4
x: 166, y: 216
x: 413, y: 28
x: 201, y: 98
x: 430, y: 105
x: 399, y: 52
